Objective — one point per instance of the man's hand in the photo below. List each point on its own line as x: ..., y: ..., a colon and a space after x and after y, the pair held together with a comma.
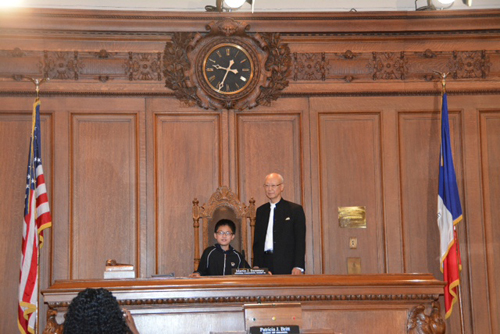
x: 268, y: 272
x: 297, y: 271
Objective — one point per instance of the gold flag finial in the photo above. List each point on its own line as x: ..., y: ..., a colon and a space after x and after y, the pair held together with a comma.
x: 443, y: 79
x: 38, y: 83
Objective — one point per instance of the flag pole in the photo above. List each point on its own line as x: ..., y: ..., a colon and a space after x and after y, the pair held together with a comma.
x: 37, y: 83
x: 443, y: 90
x: 462, y: 325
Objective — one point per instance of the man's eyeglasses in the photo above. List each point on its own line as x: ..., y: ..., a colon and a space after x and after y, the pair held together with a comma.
x: 224, y: 233
x: 272, y: 186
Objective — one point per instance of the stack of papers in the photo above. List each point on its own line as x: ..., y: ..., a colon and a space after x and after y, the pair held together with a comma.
x: 119, y: 271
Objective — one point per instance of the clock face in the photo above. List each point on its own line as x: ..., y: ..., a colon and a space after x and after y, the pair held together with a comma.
x: 228, y: 68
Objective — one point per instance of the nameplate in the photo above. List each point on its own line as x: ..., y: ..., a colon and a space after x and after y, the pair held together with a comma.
x: 249, y: 271
x: 352, y: 216
x: 275, y: 330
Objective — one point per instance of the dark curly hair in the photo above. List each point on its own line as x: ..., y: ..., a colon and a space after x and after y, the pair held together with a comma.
x: 94, y: 311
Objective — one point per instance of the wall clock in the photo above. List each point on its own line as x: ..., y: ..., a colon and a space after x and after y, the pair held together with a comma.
x: 228, y: 68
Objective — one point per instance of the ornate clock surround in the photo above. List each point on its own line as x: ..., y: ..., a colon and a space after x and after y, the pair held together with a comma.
x: 184, y: 58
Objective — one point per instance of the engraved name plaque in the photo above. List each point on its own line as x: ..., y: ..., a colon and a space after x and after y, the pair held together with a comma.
x: 352, y: 216
x: 274, y: 330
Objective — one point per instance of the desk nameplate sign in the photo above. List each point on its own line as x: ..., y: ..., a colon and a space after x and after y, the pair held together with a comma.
x: 273, y: 318
x: 250, y: 271
x: 275, y: 330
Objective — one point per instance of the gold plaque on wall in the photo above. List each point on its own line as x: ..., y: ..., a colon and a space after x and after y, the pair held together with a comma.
x: 352, y: 216
x: 353, y: 265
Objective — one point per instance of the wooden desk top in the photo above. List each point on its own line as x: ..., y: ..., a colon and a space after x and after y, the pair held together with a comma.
x: 223, y: 289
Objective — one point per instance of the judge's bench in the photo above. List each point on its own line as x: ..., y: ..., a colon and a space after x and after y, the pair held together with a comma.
x: 347, y: 304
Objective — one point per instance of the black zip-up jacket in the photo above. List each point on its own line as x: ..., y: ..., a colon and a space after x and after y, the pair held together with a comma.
x: 216, y: 261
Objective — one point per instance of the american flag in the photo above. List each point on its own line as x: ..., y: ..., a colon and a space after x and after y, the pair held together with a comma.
x: 36, y: 218
x: 449, y: 215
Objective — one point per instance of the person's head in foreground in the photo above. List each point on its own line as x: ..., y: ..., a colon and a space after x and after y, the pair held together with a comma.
x: 96, y: 311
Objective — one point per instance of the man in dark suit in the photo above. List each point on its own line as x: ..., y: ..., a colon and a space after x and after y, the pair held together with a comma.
x: 280, y: 232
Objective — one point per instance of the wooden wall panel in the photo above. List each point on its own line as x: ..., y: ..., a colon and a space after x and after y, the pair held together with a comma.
x: 419, y: 154
x: 376, y: 138
x: 490, y: 153
x: 356, y: 321
x: 187, y: 165
x: 269, y: 143
x: 200, y: 321
x: 350, y: 173
x: 104, y: 183
x: 15, y: 130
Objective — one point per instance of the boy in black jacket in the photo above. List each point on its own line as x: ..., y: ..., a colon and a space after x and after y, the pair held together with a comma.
x: 221, y: 258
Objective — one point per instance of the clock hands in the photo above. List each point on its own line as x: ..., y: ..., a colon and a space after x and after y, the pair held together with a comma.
x: 221, y: 59
x: 217, y: 66
x: 221, y: 84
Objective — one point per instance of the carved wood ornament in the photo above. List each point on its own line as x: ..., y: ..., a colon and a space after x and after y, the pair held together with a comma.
x: 185, y: 56
x: 421, y: 323
x: 52, y: 326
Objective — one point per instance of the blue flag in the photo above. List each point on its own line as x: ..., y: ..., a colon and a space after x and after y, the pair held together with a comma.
x: 449, y: 214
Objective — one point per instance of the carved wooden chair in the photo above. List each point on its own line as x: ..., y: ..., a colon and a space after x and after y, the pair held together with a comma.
x: 223, y: 204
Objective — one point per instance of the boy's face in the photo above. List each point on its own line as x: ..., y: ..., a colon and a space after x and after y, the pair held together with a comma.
x: 225, y: 238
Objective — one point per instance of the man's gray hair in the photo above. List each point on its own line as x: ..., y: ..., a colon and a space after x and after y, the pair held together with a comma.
x: 282, y: 179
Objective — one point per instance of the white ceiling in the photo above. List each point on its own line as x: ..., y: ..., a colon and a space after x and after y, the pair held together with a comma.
x: 260, y: 5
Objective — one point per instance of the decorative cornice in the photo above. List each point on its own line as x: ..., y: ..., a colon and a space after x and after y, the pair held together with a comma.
x: 284, y: 95
x: 391, y: 33
x: 273, y: 16
x: 269, y: 299
x: 345, y: 65
x: 395, y: 93
x: 168, y: 35
x: 54, y: 22
x: 366, y: 69
x: 48, y: 93
x: 51, y: 32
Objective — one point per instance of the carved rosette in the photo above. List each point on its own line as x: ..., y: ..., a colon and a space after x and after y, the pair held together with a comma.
x: 309, y: 66
x: 183, y: 62
x: 470, y: 65
x: 143, y: 66
x: 62, y: 65
x: 388, y: 65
